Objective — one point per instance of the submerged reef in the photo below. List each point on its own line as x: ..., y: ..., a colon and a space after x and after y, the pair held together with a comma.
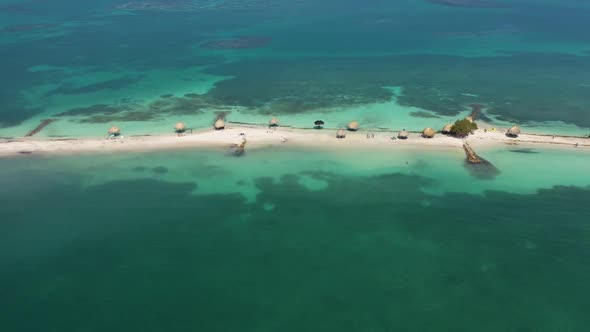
x: 114, y: 84
x: 518, y: 87
x: 102, y: 113
x: 138, y: 111
x: 181, y: 105
x: 503, y: 84
x: 490, y: 87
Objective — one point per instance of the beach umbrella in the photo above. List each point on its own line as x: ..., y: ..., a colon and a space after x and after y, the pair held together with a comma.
x: 318, y: 123
x: 447, y: 129
x: 273, y: 122
x: 114, y: 130
x: 353, y: 125
x: 403, y: 134
x: 428, y: 133
x: 514, y: 131
x: 179, y: 127
x: 341, y: 133
x: 219, y: 124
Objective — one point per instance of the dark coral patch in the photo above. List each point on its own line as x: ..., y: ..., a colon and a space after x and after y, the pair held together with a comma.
x: 160, y: 170
x: 221, y: 114
x: 102, y: 113
x: 183, y: 105
x: 91, y: 110
x: 114, y: 84
x: 124, y: 117
x: 242, y: 42
x: 525, y: 151
x: 29, y: 27
x: 139, y: 169
x: 424, y: 114
x: 470, y: 3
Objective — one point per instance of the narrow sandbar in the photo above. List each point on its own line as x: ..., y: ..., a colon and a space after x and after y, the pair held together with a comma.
x: 261, y: 136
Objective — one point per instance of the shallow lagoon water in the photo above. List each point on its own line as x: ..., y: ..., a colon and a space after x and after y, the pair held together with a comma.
x: 217, y: 171
x: 346, y: 240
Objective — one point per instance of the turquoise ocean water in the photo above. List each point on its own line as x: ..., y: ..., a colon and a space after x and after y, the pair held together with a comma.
x: 289, y: 239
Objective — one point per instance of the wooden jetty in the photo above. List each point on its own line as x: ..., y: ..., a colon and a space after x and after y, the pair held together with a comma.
x: 475, y: 110
x: 240, y: 149
x: 40, y: 127
x: 472, y: 157
x: 478, y: 166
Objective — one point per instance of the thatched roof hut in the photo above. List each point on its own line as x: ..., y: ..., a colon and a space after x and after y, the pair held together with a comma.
x: 273, y: 122
x: 341, y: 133
x: 513, y: 132
x: 179, y: 127
x: 428, y: 133
x: 114, y: 130
x: 353, y: 125
x: 447, y: 129
x: 403, y: 134
x: 219, y: 124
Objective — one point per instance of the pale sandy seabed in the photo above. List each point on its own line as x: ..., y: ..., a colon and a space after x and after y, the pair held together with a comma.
x: 261, y: 137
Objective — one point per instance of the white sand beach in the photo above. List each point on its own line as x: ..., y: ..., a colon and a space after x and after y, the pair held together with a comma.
x: 261, y: 136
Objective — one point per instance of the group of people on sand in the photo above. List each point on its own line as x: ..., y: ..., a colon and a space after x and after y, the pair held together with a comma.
x: 115, y: 137
x: 283, y: 138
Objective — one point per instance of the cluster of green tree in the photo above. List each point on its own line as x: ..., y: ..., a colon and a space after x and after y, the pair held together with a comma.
x: 463, y: 128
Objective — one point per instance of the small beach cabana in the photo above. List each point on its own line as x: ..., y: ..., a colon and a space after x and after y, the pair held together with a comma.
x: 428, y: 133
x: 318, y: 124
x: 403, y: 134
x: 513, y: 132
x: 114, y: 131
x: 353, y: 126
x: 447, y: 129
x: 341, y: 133
x: 179, y: 128
x: 219, y: 124
x: 273, y: 122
